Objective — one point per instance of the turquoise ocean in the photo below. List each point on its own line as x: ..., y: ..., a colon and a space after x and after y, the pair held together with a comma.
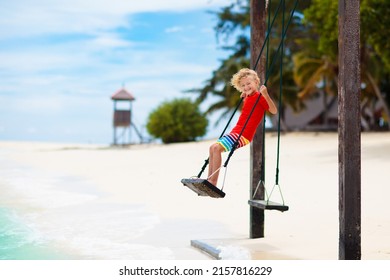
x: 20, y: 242
x: 49, y: 215
x: 19, y: 239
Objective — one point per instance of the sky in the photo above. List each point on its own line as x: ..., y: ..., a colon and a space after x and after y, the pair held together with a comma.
x: 60, y: 62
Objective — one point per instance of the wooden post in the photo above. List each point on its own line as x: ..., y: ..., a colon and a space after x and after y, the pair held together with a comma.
x: 113, y: 126
x: 349, y: 131
x: 258, y: 27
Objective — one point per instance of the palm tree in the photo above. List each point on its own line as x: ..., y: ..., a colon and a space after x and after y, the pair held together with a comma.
x: 371, y: 75
x: 235, y: 18
x: 219, y: 84
x: 315, y: 73
x: 316, y: 64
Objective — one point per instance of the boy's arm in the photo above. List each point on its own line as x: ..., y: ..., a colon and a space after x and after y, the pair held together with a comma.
x: 272, y: 108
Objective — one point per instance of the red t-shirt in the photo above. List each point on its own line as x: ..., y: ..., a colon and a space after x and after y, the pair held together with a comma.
x: 255, y: 119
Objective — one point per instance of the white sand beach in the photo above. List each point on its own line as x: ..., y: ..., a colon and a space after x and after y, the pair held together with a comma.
x: 128, y: 203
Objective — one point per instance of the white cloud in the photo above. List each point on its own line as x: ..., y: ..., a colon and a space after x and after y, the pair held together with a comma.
x: 31, y: 130
x: 70, y: 78
x: 110, y: 40
x: 30, y: 18
x: 174, y: 29
x: 46, y: 104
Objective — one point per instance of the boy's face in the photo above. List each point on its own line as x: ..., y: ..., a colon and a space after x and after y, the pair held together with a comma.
x: 248, y: 85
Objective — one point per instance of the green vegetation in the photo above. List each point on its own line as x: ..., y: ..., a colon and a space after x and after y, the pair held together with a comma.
x: 310, y: 65
x: 311, y: 56
x: 179, y: 120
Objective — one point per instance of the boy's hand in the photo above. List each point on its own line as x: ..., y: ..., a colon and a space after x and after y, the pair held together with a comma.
x: 243, y: 95
x: 272, y: 108
x: 263, y: 90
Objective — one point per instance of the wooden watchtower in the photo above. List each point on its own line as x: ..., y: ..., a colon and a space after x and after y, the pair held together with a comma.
x: 122, y: 116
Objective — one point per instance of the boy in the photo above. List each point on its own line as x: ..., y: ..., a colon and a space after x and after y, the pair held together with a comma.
x: 247, y: 82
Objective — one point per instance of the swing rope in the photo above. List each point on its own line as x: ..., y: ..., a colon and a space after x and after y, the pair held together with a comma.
x: 262, y: 178
x: 268, y: 71
x: 279, y: 118
x: 266, y: 40
x: 284, y: 33
x: 262, y: 166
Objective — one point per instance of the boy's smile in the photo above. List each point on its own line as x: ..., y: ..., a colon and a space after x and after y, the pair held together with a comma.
x: 248, y: 86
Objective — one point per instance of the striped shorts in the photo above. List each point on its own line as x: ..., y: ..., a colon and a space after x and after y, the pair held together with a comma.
x: 227, y: 141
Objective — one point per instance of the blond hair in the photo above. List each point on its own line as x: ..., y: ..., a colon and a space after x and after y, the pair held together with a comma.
x: 243, y: 73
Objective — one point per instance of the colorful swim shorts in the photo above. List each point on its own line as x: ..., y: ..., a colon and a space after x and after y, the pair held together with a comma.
x: 227, y: 141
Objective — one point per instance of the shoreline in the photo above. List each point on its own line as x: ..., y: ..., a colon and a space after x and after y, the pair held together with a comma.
x: 137, y: 204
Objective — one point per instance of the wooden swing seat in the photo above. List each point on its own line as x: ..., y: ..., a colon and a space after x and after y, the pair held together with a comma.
x: 268, y: 205
x: 203, y: 187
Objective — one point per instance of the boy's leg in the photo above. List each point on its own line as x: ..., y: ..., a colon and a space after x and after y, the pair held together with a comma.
x: 224, y: 144
x: 215, y: 161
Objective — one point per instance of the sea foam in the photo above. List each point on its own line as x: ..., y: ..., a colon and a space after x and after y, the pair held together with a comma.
x: 67, y: 212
